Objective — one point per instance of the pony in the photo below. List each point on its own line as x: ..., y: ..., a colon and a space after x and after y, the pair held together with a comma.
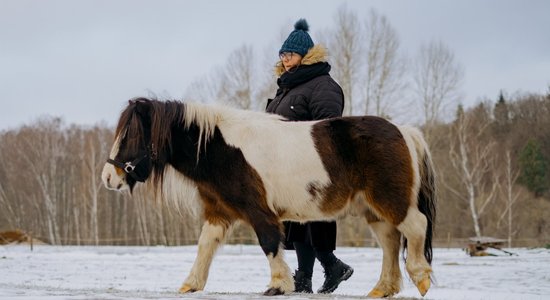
x: 237, y: 165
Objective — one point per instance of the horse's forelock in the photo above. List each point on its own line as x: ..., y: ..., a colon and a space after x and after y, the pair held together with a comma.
x: 130, y: 129
x: 122, y: 125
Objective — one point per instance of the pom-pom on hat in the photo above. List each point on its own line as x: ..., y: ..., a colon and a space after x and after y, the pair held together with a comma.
x: 299, y: 40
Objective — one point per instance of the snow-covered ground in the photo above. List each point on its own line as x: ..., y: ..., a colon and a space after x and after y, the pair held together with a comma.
x: 241, y: 272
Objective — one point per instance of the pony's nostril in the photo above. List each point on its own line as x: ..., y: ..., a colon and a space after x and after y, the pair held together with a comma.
x: 108, y: 178
x: 119, y: 186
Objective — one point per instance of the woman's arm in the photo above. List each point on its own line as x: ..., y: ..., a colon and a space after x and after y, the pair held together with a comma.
x: 327, y: 100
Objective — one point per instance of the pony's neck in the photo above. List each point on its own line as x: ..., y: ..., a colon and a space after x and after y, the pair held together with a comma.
x: 188, y: 146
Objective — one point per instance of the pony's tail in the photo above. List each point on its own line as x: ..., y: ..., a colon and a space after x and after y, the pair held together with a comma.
x: 427, y: 194
x: 427, y: 199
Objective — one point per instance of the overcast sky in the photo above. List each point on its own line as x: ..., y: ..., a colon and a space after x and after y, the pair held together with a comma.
x: 81, y: 60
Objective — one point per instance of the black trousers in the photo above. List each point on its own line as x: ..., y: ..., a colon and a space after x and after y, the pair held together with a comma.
x: 320, y: 235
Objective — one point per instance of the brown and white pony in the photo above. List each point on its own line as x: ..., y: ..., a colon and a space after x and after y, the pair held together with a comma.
x: 258, y: 168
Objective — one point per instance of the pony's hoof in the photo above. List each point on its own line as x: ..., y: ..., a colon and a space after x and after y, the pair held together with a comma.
x: 423, y: 286
x: 376, y: 293
x: 186, y: 289
x: 273, y: 292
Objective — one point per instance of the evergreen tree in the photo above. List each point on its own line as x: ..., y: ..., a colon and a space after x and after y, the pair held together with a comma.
x: 501, y: 117
x: 501, y: 114
x: 534, y: 168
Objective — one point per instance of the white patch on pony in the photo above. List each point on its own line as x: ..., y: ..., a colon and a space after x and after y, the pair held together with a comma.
x: 280, y: 273
x: 181, y: 192
x: 212, y: 236
x: 283, y: 153
x: 413, y: 138
x: 112, y: 179
x: 116, y: 145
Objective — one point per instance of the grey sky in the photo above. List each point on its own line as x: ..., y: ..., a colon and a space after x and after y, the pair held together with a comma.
x: 82, y: 60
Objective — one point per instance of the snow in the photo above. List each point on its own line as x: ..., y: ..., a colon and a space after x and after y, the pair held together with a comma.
x: 242, y: 272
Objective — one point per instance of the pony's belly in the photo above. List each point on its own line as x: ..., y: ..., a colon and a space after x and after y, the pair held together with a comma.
x: 304, y: 216
x: 291, y: 207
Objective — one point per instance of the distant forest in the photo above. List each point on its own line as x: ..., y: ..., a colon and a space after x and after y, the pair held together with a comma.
x: 492, y: 159
x: 492, y: 166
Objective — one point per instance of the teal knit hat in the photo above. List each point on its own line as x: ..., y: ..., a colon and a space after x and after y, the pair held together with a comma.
x: 299, y: 40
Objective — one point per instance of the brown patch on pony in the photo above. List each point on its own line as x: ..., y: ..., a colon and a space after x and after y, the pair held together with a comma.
x: 280, y: 211
x: 371, y: 217
x: 365, y: 154
x: 224, y: 209
x: 214, y: 210
x: 314, y: 189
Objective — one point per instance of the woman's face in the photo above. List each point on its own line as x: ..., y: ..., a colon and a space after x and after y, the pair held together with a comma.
x: 290, y: 59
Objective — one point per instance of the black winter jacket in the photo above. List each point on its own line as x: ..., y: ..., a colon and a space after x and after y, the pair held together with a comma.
x: 307, y: 93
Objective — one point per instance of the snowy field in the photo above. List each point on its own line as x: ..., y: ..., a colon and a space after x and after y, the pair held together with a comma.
x: 241, y: 272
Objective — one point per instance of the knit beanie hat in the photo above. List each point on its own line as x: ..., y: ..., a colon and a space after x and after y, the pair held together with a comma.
x: 299, y: 40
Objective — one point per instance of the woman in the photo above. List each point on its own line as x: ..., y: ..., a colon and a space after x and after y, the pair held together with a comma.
x: 307, y: 92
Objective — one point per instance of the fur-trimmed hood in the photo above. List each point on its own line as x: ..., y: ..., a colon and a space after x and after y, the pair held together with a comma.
x: 316, y: 54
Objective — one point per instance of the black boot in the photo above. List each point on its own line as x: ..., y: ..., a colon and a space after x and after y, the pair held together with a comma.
x: 302, y: 282
x: 334, y: 274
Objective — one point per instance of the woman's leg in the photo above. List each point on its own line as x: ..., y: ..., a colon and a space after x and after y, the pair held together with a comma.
x: 323, y: 236
x: 306, y: 260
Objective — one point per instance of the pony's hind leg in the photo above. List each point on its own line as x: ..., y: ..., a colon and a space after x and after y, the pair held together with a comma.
x: 389, y: 239
x: 414, y: 229
x: 212, y: 236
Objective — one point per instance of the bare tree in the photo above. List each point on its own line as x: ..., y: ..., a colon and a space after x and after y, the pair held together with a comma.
x: 236, y: 79
x: 437, y: 80
x: 266, y: 79
x: 472, y: 157
x: 93, y: 153
x: 384, y: 68
x: 205, y: 88
x: 43, y: 156
x: 9, y: 214
x: 510, y: 178
x: 366, y: 62
x: 9, y: 211
x: 231, y: 84
x: 344, y: 46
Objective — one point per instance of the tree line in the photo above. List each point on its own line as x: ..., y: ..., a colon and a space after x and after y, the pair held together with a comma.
x: 492, y: 159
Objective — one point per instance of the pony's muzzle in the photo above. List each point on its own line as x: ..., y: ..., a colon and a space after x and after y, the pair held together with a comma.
x: 113, y: 179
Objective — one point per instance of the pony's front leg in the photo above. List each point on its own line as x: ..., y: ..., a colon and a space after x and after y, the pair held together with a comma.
x: 281, y: 279
x: 212, y: 236
x: 269, y: 236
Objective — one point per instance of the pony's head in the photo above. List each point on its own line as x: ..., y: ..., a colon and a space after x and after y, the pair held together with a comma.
x: 133, y: 152
x: 143, y: 140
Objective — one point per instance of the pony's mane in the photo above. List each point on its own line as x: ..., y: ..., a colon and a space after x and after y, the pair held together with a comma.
x: 165, y: 114
x: 208, y: 116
